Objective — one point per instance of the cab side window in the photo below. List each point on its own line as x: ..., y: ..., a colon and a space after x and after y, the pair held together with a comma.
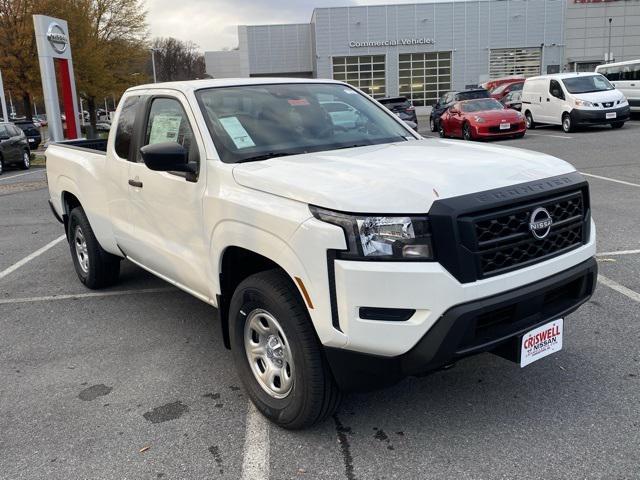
x: 168, y: 122
x: 126, y: 123
x: 556, y: 90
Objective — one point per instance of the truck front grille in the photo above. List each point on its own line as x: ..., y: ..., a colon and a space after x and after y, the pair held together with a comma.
x: 501, y: 239
x: 484, y: 234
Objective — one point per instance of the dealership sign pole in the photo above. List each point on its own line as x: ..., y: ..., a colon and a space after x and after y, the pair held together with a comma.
x: 54, y: 54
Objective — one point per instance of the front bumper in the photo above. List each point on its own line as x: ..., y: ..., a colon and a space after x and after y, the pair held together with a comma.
x: 493, y: 130
x: 599, y: 117
x: 486, y: 324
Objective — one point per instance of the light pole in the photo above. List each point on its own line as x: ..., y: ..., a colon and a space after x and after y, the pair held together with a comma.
x: 609, y: 49
x: 153, y: 64
x: 3, y: 101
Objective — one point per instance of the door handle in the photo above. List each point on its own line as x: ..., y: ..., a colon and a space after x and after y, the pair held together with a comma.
x: 135, y: 183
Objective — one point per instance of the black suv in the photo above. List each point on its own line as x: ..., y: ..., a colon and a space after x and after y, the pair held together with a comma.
x: 449, y: 99
x: 32, y: 132
x: 14, y: 148
x: 402, y: 107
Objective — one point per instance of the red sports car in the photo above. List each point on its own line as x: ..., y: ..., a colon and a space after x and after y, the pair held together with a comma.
x: 480, y: 119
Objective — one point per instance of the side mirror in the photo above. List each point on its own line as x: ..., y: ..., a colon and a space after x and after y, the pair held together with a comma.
x: 166, y: 157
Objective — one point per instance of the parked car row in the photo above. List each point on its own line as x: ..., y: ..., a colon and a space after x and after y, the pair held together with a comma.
x: 516, y: 104
x: 14, y: 147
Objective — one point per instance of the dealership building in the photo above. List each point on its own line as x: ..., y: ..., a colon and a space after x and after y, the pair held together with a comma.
x: 421, y: 50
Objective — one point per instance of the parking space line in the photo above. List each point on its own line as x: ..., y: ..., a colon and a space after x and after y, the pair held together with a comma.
x: 48, y: 298
x: 21, y: 174
x: 30, y: 257
x: 619, y: 252
x: 611, y: 179
x: 255, y: 463
x: 619, y: 288
x: 564, y: 137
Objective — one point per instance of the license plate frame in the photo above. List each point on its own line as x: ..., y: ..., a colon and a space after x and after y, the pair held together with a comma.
x: 541, y: 342
x: 505, y: 126
x: 610, y: 115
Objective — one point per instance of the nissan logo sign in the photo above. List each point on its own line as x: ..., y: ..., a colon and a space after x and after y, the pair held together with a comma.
x: 57, y: 38
x: 540, y: 223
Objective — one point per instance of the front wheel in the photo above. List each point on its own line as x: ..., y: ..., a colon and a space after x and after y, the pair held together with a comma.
x: 441, y: 131
x: 466, y: 132
x: 95, y: 267
x: 432, y: 124
x: 529, y: 120
x: 617, y: 125
x: 26, y: 160
x: 277, y: 354
x: 567, y: 124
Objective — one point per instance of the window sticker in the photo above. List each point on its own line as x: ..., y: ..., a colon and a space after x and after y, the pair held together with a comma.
x: 350, y: 92
x: 298, y: 102
x: 236, y: 131
x: 164, y: 128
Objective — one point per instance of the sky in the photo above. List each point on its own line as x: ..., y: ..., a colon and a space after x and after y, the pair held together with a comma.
x: 212, y: 24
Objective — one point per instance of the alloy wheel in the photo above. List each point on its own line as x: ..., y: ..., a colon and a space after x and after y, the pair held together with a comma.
x: 26, y: 159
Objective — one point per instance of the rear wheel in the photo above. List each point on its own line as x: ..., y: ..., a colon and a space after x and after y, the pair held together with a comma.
x: 432, y: 124
x: 529, y: 120
x: 26, y: 160
x: 466, y: 132
x: 277, y: 354
x: 567, y: 124
x: 441, y: 131
x: 617, y: 125
x: 95, y: 267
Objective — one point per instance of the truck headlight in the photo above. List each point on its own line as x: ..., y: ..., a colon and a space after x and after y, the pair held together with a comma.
x: 382, y: 237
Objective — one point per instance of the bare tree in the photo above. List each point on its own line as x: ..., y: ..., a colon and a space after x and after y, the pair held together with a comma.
x: 178, y: 60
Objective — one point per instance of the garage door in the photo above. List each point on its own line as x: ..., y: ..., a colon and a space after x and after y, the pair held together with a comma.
x: 523, y: 62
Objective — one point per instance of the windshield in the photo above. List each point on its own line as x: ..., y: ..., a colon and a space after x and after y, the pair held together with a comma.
x: 481, y: 105
x: 592, y: 83
x: 472, y: 94
x: 256, y: 122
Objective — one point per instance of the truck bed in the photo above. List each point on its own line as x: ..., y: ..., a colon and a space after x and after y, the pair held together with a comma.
x: 97, y: 145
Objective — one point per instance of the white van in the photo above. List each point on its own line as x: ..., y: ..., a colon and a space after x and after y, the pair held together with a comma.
x: 572, y: 99
x: 625, y: 76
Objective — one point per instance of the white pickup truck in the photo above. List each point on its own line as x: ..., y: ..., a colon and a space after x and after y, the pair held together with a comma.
x: 342, y: 250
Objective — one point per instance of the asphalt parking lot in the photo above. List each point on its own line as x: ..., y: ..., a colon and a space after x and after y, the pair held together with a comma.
x: 134, y: 382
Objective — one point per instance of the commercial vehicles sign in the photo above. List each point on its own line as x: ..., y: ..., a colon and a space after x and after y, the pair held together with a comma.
x: 392, y: 43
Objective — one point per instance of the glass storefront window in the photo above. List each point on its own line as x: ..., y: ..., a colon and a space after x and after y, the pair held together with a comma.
x: 424, y: 77
x: 366, y: 72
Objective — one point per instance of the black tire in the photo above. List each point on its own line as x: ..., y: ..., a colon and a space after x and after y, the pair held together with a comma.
x: 529, y: 120
x: 314, y: 394
x: 567, y: 123
x: 441, y: 131
x: 466, y: 132
x: 433, y: 124
x: 26, y: 160
x: 616, y: 125
x: 1, y: 166
x: 101, y: 269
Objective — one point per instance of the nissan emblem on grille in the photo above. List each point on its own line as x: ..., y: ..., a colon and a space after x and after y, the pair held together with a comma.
x: 540, y: 223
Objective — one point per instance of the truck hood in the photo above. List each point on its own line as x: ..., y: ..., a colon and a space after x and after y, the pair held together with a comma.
x: 404, y: 177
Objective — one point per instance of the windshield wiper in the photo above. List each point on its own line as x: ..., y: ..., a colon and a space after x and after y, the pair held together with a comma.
x: 268, y: 155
